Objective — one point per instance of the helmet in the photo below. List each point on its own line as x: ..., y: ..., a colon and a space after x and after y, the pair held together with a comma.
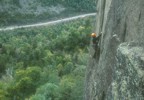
x: 93, y: 35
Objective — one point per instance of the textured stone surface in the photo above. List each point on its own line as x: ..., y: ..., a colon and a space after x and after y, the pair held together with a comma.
x: 119, y: 21
x: 128, y: 76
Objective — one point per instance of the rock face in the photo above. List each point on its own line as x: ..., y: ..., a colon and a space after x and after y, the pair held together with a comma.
x: 128, y: 77
x: 118, y: 74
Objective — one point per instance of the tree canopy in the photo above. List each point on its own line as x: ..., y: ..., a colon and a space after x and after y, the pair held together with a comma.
x: 46, y: 63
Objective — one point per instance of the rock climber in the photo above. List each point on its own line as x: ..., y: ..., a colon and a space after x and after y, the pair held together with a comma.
x: 0, y: 47
x: 96, y: 44
x: 95, y: 38
x: 93, y: 35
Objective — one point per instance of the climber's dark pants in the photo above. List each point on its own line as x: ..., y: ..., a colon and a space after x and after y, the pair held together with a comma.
x: 96, y: 47
x: 97, y: 51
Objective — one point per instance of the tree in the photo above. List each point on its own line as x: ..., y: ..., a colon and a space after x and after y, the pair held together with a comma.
x: 26, y: 82
x: 49, y: 91
x: 67, y: 84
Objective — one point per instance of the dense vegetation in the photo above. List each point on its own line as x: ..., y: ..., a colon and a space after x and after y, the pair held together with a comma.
x: 45, y: 63
x: 80, y: 5
x: 85, y: 5
x: 9, y: 13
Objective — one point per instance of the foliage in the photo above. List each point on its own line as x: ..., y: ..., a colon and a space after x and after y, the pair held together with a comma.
x: 48, y: 91
x: 10, y: 13
x: 26, y: 82
x: 67, y: 84
x: 48, y: 63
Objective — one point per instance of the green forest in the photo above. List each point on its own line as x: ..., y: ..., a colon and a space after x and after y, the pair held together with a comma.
x: 13, y: 11
x: 45, y: 63
x: 86, y: 5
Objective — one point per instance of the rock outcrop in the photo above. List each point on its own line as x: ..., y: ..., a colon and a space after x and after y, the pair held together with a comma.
x: 128, y: 77
x: 119, y: 72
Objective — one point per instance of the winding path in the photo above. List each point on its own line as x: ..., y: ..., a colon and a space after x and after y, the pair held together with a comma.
x: 47, y: 23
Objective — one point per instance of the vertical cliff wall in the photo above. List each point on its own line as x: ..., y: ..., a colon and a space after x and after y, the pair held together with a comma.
x: 118, y: 74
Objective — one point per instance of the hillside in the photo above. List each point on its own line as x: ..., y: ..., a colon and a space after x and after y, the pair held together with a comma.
x: 118, y: 74
x: 28, y: 11
x: 45, y: 62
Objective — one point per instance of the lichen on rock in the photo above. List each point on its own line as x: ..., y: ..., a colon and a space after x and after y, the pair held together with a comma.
x: 129, y: 72
x: 119, y: 72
